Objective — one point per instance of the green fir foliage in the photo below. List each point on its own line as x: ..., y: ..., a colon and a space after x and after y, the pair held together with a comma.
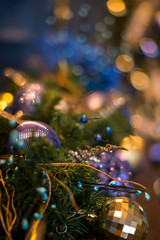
x: 28, y: 172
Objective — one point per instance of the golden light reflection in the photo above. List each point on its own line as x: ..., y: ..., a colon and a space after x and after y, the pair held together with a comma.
x: 135, y: 146
x: 133, y: 142
x: 139, y: 80
x: 116, y: 7
x: 118, y: 200
x: 125, y: 63
x: 7, y: 97
x: 117, y: 214
x: 3, y: 105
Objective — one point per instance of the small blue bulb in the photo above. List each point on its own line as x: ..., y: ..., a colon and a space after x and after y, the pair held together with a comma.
x: 138, y: 192
x: 108, y: 130
x: 147, y: 196
x: 44, y: 197
x: 25, y: 224
x: 12, y: 123
x: 14, y: 137
x: 98, y: 137
x: 44, y: 180
x: 37, y: 216
x: 96, y: 188
x: 79, y: 185
x: 16, y: 169
x: 41, y: 190
x: 53, y: 206
x: 44, y: 173
x: 20, y: 144
x: 84, y: 119
x: 11, y: 160
x: 112, y: 183
x: 3, y: 162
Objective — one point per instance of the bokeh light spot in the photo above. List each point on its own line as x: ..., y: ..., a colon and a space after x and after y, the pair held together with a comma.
x: 3, y: 105
x: 139, y: 80
x: 124, y: 63
x: 149, y: 47
x: 7, y: 97
x: 116, y: 7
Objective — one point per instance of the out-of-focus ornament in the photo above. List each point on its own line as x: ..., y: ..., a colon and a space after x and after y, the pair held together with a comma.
x: 154, y: 153
x: 112, y: 164
x: 27, y: 97
x: 32, y: 128
x: 156, y: 187
x: 126, y: 219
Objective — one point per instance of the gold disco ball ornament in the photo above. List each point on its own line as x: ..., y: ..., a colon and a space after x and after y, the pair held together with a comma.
x: 126, y: 219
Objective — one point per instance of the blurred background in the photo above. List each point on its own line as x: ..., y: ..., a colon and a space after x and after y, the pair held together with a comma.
x: 112, y: 47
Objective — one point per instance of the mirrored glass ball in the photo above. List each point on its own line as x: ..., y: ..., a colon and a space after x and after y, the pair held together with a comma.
x: 126, y: 219
x: 33, y: 128
x: 27, y: 97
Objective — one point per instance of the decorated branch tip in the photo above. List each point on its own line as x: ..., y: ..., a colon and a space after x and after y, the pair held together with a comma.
x: 83, y: 155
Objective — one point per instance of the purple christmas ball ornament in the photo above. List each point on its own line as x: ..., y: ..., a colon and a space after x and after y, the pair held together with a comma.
x: 27, y: 97
x: 33, y: 128
x: 111, y: 164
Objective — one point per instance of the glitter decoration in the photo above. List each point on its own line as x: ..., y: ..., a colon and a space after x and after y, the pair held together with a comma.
x: 82, y: 155
x: 27, y: 97
x: 37, y: 129
x: 126, y: 219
